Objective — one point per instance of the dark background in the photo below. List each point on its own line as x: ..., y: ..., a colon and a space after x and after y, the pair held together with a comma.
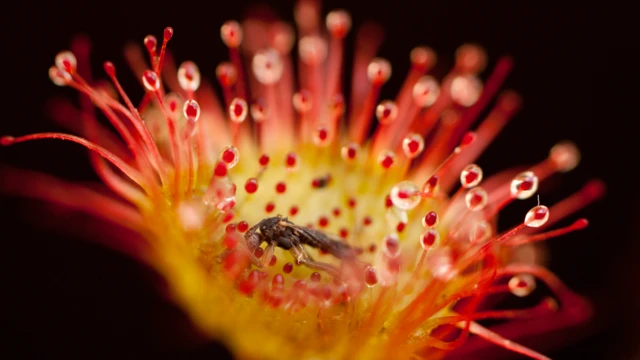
x: 576, y: 68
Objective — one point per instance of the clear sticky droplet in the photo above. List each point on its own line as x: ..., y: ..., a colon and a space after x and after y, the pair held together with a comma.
x: 230, y: 156
x: 66, y: 61
x: 476, y: 199
x: 191, y: 111
x: 537, y: 216
x: 422, y: 57
x: 412, y: 145
x: 386, y: 112
x: 312, y: 50
x: 322, y: 136
x: 405, y: 195
x: 386, y: 159
x: 379, y: 71
x: 430, y: 186
x: 59, y: 77
x: 231, y: 33
x: 426, y: 91
x: 391, y: 245
x: 173, y: 102
x: 282, y: 37
x: 430, y: 220
x: 440, y: 262
x: 338, y: 23
x: 470, y: 58
x: 189, y: 76
x: 466, y: 90
x: 370, y: 277
x: 238, y: 110
x: 524, y: 185
x: 151, y: 81
x: 565, y: 155
x: 522, y: 285
x: 471, y: 176
x: 302, y: 101
x: 267, y: 66
x: 428, y: 238
x: 258, y: 111
x: 226, y: 74
x: 349, y: 152
x: 480, y: 232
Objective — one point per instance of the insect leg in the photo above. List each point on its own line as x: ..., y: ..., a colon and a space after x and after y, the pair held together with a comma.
x: 301, y: 255
x: 268, y: 253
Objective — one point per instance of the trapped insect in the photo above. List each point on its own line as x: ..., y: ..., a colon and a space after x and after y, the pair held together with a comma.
x: 278, y: 231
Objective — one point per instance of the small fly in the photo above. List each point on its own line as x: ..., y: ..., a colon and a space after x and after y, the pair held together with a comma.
x: 279, y: 232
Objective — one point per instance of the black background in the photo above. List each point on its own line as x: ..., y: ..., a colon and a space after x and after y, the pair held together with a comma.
x: 576, y: 68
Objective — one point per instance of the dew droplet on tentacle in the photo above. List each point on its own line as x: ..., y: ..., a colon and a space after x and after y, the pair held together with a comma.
x: 230, y: 156
x: 430, y: 186
x: 481, y: 231
x: 391, y: 245
x: 312, y: 50
x: 471, y: 176
x: 66, y: 62
x: 476, y: 199
x: 227, y: 74
x: 537, y: 216
x: 267, y: 66
x: 370, y: 276
x: 522, y: 285
x: 426, y: 91
x: 405, y: 195
x: 191, y: 112
x: 524, y: 185
x: 422, y: 58
x: 59, y: 77
x: 231, y: 34
x: 466, y: 90
x: 349, y: 152
x: 238, y: 110
x: 428, y: 238
x: 189, y: 76
x: 150, y: 80
x: 386, y: 112
x: 379, y: 71
x: 430, y: 220
x: 386, y: 159
x: 258, y: 111
x: 470, y: 58
x: 338, y: 23
x: 565, y: 155
x: 412, y: 145
x: 302, y: 101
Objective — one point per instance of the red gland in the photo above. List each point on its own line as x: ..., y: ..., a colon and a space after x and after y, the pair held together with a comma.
x: 315, y: 277
x: 370, y: 277
x: 220, y: 170
x: 281, y: 187
x: 290, y: 160
x: 264, y: 160
x: 287, y: 268
x: 273, y: 260
x: 242, y: 226
x: 430, y: 220
x: 293, y: 211
x: 251, y: 186
x: 269, y: 207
